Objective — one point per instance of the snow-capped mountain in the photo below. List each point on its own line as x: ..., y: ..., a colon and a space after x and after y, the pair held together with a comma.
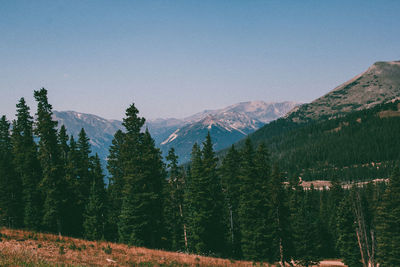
x: 226, y: 125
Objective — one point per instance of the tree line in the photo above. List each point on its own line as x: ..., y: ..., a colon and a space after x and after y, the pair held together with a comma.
x: 238, y: 207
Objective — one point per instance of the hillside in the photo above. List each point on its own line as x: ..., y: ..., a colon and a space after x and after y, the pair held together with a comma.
x: 24, y: 248
x: 362, y: 145
x: 379, y: 84
x: 350, y: 133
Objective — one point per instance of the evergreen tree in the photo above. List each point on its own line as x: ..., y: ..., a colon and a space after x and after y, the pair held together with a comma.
x: 141, y: 211
x: 279, y: 234
x: 72, y: 208
x: 216, y: 225
x: 94, y: 216
x: 193, y: 203
x: 332, y: 212
x: 115, y: 186
x: 230, y: 170
x: 53, y: 182
x: 11, y: 210
x: 347, y: 238
x: 63, y: 143
x: 84, y: 165
x: 173, y: 213
x: 27, y: 165
x: 253, y: 206
x: 306, y: 230
x: 389, y: 223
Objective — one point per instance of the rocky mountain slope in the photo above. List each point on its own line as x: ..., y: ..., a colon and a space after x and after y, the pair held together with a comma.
x: 379, y: 84
x: 100, y: 131
x: 226, y: 126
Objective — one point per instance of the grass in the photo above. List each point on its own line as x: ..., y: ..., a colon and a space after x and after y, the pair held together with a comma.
x: 24, y: 248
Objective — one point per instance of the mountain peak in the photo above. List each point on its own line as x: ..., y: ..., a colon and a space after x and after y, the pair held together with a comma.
x: 380, y: 83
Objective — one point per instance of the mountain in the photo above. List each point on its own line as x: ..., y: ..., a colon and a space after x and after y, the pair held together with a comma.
x: 380, y: 83
x: 100, y: 131
x: 350, y: 133
x: 226, y: 126
x: 160, y: 129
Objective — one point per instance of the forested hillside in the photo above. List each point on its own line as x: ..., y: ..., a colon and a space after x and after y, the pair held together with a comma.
x: 360, y: 146
x: 239, y: 208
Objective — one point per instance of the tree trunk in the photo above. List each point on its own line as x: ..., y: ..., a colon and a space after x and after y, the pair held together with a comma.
x: 184, y: 227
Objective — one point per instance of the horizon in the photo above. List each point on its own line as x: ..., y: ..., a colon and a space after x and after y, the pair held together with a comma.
x: 174, y: 59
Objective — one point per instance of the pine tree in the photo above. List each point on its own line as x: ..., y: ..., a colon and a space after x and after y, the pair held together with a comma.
x: 306, y: 229
x: 278, y: 219
x: 63, y: 143
x: 174, y: 213
x: 193, y: 203
x: 230, y: 169
x: 72, y: 209
x: 94, y: 216
x: 53, y: 182
x: 347, y: 239
x: 27, y: 165
x: 332, y: 212
x: 253, y: 205
x: 216, y: 225
x: 116, y: 185
x: 143, y: 174
x: 11, y: 210
x: 389, y: 223
x: 84, y: 165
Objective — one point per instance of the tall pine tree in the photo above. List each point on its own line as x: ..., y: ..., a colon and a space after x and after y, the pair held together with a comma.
x: 174, y: 211
x: 27, y: 165
x: 11, y: 210
x: 230, y: 170
x: 143, y: 174
x: 389, y: 223
x: 53, y: 182
x: 95, y: 209
x: 254, y: 204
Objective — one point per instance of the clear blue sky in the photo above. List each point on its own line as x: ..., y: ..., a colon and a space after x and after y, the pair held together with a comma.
x: 174, y: 58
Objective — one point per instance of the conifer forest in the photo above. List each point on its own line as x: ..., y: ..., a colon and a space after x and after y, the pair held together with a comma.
x: 246, y: 204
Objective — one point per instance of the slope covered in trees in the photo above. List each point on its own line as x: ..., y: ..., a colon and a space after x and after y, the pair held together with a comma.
x: 362, y: 145
x: 239, y: 209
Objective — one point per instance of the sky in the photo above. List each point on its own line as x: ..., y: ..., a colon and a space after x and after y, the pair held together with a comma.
x: 176, y: 58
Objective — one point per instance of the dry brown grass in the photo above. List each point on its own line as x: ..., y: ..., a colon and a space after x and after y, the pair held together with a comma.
x: 24, y: 248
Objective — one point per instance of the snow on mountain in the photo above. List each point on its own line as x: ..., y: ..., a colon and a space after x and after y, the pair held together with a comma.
x: 226, y: 125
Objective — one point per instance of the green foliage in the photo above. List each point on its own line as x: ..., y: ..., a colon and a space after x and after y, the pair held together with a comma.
x: 254, y: 202
x: 53, y: 182
x: 95, y: 212
x: 143, y: 173
x: 11, y: 211
x: 27, y: 165
x: 205, y: 203
x: 173, y: 208
x: 231, y: 187
x: 347, y: 239
x: 389, y: 223
x: 343, y: 147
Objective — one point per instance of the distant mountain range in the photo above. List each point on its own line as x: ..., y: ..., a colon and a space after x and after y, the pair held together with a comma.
x: 226, y: 126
